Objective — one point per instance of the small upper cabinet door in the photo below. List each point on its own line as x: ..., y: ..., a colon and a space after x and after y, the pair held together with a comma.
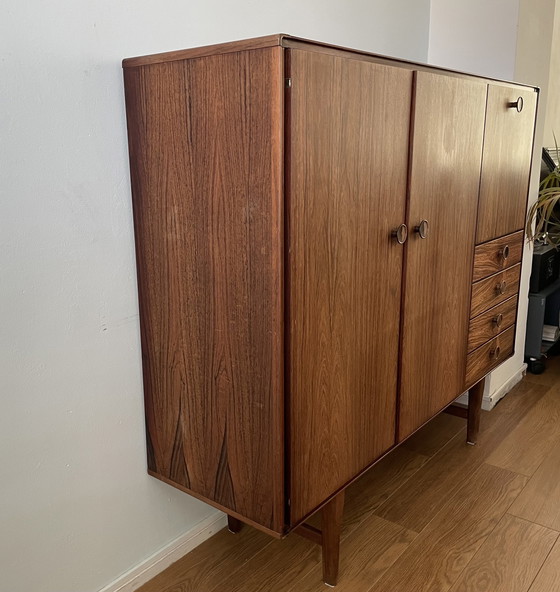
x: 508, y: 141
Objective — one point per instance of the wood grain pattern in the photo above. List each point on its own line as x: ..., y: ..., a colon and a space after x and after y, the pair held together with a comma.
x: 488, y: 356
x: 485, y: 293
x: 540, y: 500
x: 439, y: 268
x: 524, y: 450
x: 206, y: 177
x: 508, y: 143
x: 348, y: 152
x: 364, y: 557
x: 490, y: 257
x: 488, y: 324
x: 509, y: 559
x: 416, y: 504
x: 548, y: 578
x: 437, y: 556
x: 205, y: 51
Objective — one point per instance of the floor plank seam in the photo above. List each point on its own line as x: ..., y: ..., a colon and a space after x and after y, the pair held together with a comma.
x: 498, y: 466
x: 532, y: 522
x: 542, y: 565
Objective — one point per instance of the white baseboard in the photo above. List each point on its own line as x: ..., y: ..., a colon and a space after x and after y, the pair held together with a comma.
x: 490, y: 399
x: 151, y: 567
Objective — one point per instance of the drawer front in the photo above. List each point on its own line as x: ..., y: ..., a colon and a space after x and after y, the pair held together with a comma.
x: 489, y: 324
x: 495, y: 289
x: 489, y: 355
x: 496, y: 255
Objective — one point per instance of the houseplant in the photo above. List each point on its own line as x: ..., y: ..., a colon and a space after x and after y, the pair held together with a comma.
x: 543, y: 218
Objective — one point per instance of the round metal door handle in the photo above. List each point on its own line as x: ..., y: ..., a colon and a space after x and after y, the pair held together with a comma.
x: 501, y: 287
x: 401, y: 234
x: 495, y: 353
x: 517, y: 104
x: 498, y: 319
x: 504, y: 253
x: 422, y: 229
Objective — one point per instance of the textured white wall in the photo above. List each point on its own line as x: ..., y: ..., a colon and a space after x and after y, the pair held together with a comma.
x: 76, y: 506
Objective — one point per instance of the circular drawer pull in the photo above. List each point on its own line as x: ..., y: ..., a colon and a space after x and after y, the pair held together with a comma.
x: 495, y: 353
x: 516, y: 104
x: 504, y: 253
x: 498, y: 319
x: 401, y: 234
x: 501, y: 287
x: 422, y: 229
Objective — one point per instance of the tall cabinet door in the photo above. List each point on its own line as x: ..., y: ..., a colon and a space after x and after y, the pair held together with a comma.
x: 446, y: 158
x: 348, y: 154
x: 508, y: 142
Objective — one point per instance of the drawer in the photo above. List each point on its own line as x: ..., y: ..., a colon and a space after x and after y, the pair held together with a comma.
x: 495, y: 289
x: 489, y: 355
x: 497, y: 255
x: 488, y: 324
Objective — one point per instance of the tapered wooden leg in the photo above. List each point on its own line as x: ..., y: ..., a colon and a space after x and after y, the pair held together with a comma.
x: 234, y: 525
x: 331, y: 522
x: 473, y: 418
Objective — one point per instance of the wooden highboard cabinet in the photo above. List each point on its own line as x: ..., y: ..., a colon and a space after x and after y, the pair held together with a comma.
x: 328, y: 250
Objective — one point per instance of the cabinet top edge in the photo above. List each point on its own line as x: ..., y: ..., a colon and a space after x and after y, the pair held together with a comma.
x: 205, y: 50
x: 293, y: 42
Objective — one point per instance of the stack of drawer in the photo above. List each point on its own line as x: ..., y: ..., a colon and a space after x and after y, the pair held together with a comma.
x: 496, y: 272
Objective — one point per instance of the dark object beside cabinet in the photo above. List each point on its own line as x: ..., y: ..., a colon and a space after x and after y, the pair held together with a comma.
x: 546, y: 264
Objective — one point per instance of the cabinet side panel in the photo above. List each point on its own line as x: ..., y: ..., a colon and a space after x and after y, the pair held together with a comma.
x: 205, y: 139
x: 508, y: 141
x: 349, y: 153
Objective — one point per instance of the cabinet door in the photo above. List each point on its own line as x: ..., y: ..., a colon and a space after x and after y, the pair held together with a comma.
x: 508, y: 141
x: 348, y: 153
x: 444, y: 183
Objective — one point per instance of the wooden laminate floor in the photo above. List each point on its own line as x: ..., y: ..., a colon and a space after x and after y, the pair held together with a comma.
x: 435, y: 515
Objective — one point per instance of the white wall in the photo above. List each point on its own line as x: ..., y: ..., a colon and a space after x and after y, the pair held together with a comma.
x: 76, y: 506
x: 552, y: 119
x: 474, y: 36
x: 508, y: 39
